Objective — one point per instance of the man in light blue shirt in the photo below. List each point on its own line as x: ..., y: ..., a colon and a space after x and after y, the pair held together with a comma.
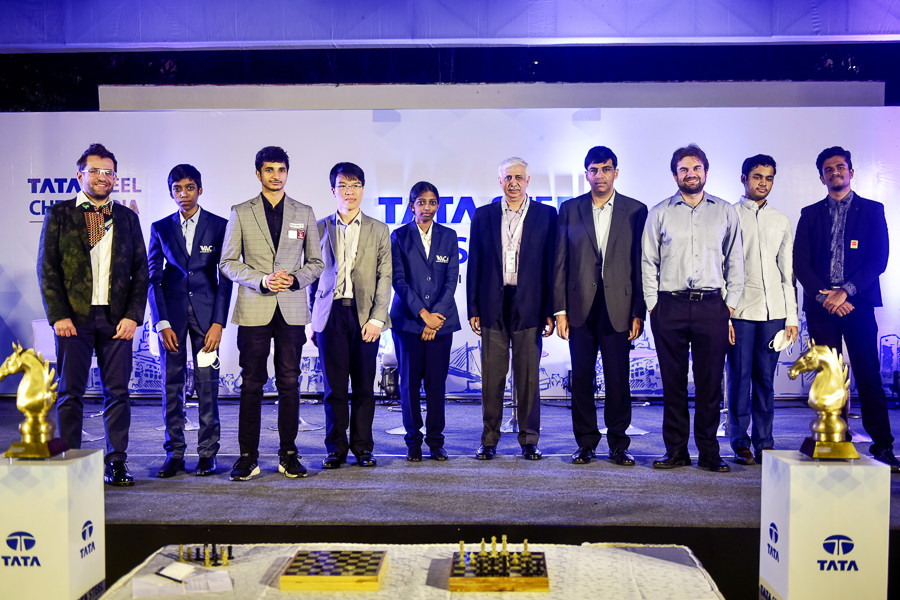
x: 692, y: 257
x: 767, y: 306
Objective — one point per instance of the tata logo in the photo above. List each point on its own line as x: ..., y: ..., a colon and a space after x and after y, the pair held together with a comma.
x: 838, y: 545
x: 773, y: 539
x: 20, y: 541
x: 87, y: 531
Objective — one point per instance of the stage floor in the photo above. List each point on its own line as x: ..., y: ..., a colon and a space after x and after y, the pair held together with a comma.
x: 546, y: 501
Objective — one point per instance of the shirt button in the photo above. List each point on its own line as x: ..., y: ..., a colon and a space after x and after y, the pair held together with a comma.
x: 427, y: 297
x: 428, y: 279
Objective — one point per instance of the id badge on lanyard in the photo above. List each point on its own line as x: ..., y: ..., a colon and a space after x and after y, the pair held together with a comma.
x: 510, y: 257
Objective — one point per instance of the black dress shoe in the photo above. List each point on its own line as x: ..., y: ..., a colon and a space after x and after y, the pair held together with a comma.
x: 439, y: 454
x: 713, y: 463
x: 531, y: 452
x: 170, y: 467
x: 116, y: 473
x: 485, y: 452
x: 334, y: 460
x: 887, y: 457
x: 671, y: 460
x: 621, y: 457
x: 206, y: 466
x: 365, y: 459
x: 743, y: 456
x: 583, y: 455
x: 414, y: 454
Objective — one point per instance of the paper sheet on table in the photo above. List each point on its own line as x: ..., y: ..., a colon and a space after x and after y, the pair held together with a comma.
x: 149, y: 586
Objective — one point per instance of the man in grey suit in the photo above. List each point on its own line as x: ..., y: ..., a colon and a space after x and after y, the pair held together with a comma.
x: 271, y: 249
x: 349, y: 306
x: 598, y: 302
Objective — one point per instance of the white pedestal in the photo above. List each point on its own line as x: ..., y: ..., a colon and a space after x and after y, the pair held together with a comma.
x: 823, y: 528
x: 52, y: 527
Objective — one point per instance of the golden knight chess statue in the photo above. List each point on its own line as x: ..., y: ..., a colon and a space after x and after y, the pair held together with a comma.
x: 828, y: 396
x: 36, y: 395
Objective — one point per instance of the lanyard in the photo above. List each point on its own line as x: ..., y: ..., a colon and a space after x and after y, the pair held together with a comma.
x: 516, y: 234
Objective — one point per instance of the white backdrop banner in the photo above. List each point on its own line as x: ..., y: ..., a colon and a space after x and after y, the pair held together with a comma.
x: 458, y: 151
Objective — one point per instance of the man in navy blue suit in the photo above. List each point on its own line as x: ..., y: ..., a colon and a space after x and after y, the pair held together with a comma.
x: 840, y: 251
x: 189, y: 296
x: 511, y: 237
x: 425, y: 257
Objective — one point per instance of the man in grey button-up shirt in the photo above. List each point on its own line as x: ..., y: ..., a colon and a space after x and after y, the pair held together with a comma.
x: 768, y: 305
x: 692, y: 257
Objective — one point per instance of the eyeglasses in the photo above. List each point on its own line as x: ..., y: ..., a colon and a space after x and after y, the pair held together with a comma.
x: 352, y: 186
x: 99, y: 172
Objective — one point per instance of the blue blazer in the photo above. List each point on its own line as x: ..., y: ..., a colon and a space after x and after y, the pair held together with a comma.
x: 177, y: 279
x: 865, y: 251
x: 420, y: 282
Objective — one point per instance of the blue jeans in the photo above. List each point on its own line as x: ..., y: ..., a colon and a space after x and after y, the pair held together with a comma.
x: 751, y: 383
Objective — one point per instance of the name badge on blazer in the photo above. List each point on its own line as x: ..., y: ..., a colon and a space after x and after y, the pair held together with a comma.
x: 296, y: 231
x: 441, y: 259
x: 207, y: 249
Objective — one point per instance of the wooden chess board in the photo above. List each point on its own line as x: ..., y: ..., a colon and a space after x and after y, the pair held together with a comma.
x: 335, y: 570
x: 529, y: 575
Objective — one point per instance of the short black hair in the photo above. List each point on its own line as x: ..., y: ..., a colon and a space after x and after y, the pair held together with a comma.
x: 831, y: 152
x: 348, y: 170
x: 599, y: 155
x: 420, y: 188
x: 96, y: 150
x: 272, y: 154
x: 184, y: 171
x: 692, y: 150
x: 759, y: 160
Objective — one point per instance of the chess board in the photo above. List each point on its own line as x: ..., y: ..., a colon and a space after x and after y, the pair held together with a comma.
x: 526, y: 576
x: 335, y: 570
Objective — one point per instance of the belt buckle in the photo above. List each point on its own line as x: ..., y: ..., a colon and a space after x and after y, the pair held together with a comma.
x: 695, y: 296
x: 346, y: 302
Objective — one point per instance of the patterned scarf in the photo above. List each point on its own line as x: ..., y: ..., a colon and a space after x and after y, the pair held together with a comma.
x: 96, y: 218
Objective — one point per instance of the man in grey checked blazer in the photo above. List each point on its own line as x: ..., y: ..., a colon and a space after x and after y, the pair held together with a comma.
x: 271, y: 250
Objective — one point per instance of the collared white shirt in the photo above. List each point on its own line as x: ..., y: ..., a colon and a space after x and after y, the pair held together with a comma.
x: 425, y: 236
x: 769, y: 291
x: 188, y: 227
x: 511, y: 227
x: 345, y: 247
x: 101, y: 259
x: 602, y: 219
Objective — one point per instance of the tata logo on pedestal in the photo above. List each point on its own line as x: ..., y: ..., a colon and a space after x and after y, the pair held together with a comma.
x: 773, y: 539
x: 20, y: 542
x: 838, y: 546
x: 87, y: 531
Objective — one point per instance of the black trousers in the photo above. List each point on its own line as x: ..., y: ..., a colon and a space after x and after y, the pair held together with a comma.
x: 73, y: 355
x: 347, y: 358
x: 860, y: 332
x: 423, y: 363
x: 206, y: 382
x: 597, y: 333
x: 682, y: 327
x: 253, y: 347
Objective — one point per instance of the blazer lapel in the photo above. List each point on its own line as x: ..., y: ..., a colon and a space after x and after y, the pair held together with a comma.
x: 177, y: 236
x: 199, y: 230
x: 259, y: 213
x: 586, y: 214
x: 616, y: 224
x: 416, y: 240
x: 79, y: 224
x: 496, y: 222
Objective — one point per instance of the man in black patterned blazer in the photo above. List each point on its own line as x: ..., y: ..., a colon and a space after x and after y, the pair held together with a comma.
x: 92, y: 269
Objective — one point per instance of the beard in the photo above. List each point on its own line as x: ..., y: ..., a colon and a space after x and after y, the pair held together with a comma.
x: 691, y: 187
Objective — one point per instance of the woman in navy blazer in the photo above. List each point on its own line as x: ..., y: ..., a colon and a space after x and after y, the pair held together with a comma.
x: 425, y: 273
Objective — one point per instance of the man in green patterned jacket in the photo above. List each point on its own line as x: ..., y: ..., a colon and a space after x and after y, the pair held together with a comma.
x: 92, y: 268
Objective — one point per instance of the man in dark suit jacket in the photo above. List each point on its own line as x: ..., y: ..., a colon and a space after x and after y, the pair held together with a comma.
x: 598, y: 302
x: 508, y: 292
x: 188, y: 296
x: 92, y: 269
x: 840, y: 250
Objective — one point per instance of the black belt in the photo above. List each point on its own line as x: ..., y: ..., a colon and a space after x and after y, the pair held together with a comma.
x: 696, y: 295
x: 344, y: 301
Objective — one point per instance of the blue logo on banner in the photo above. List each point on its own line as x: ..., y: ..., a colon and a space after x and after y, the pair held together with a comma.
x: 87, y: 530
x: 20, y: 541
x: 773, y: 539
x: 838, y: 545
